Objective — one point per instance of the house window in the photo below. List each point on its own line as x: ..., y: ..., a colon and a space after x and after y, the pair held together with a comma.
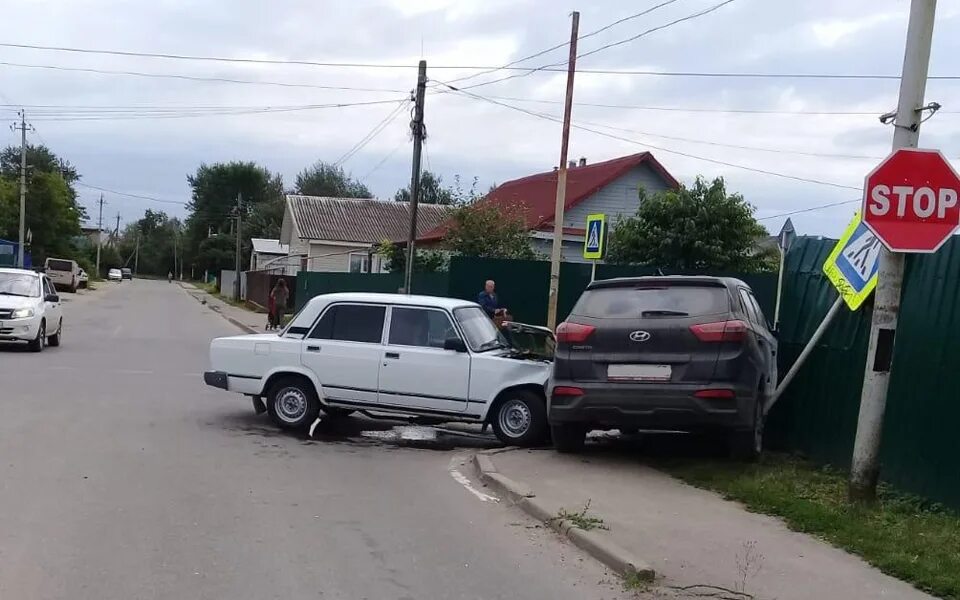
x: 359, y: 262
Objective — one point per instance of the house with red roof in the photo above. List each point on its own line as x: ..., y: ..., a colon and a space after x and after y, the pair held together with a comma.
x: 610, y: 187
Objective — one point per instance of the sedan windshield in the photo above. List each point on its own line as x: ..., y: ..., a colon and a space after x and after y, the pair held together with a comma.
x: 479, y: 330
x: 17, y: 284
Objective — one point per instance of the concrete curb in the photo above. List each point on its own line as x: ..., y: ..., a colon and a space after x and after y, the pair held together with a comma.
x: 200, y: 294
x: 612, y: 556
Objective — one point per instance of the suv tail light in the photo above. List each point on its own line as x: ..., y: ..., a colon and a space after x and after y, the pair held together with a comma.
x: 722, y: 331
x: 573, y: 333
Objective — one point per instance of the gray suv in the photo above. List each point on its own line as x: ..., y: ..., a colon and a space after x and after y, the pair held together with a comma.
x: 664, y: 353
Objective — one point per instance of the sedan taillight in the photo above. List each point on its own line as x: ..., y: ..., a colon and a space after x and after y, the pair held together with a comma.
x: 722, y: 331
x: 573, y: 333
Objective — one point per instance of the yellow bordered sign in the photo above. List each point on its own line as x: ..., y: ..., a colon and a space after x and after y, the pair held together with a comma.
x: 594, y: 239
x: 853, y: 265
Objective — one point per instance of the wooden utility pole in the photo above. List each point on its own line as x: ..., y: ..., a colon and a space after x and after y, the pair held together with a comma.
x: 416, y: 127
x: 236, y: 269
x: 555, y: 254
x: 99, y: 235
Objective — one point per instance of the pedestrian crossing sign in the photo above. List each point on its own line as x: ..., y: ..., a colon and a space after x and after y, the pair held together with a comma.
x: 853, y: 265
x: 594, y: 240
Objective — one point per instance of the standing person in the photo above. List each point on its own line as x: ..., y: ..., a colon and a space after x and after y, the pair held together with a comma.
x: 487, y: 299
x: 280, y: 294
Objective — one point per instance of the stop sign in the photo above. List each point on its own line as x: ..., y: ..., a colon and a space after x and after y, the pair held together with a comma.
x: 910, y: 200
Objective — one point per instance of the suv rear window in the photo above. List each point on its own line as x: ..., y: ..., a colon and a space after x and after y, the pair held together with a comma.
x: 632, y: 302
x: 59, y: 265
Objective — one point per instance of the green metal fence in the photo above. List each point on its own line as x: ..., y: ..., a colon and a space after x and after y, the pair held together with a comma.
x: 310, y: 284
x: 818, y: 413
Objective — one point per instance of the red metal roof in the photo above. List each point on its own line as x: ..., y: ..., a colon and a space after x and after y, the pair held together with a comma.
x: 536, y: 195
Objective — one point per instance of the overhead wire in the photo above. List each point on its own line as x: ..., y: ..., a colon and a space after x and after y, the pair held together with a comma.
x: 689, y: 17
x: 196, y: 78
x: 567, y: 43
x: 372, y: 133
x: 356, y: 65
x: 659, y: 148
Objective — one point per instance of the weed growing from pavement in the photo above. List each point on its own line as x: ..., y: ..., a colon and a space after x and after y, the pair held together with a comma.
x: 581, y: 519
x: 749, y: 562
x: 634, y: 582
x: 904, y: 536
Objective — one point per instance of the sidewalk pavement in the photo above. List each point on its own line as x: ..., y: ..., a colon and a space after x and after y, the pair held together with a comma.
x: 694, y: 537
x: 243, y: 318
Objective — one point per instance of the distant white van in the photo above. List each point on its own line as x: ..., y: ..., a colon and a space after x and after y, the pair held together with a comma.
x: 63, y: 273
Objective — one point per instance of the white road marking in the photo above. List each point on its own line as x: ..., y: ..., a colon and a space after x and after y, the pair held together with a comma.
x: 462, y: 480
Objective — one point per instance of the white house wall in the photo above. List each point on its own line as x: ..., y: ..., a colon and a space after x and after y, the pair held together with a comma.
x: 619, y: 197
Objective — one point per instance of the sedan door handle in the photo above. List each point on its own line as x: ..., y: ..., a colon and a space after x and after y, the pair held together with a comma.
x: 313, y: 348
x: 394, y: 355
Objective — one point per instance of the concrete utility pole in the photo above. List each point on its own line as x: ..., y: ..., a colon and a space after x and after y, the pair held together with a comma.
x: 116, y: 232
x: 236, y: 270
x: 416, y: 127
x: 99, y: 235
x: 865, y: 467
x: 136, y: 256
x: 555, y: 253
x: 23, y: 127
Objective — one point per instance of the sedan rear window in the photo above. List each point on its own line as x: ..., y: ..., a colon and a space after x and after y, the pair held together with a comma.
x: 646, y: 301
x: 59, y: 265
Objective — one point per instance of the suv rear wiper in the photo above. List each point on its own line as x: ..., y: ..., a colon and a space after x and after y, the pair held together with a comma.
x: 664, y: 313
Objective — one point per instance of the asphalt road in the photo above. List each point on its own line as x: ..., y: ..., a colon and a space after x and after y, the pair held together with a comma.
x: 123, y: 477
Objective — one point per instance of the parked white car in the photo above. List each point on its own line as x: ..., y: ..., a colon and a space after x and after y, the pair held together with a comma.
x: 114, y: 275
x: 83, y: 280
x: 388, y: 353
x: 64, y: 273
x: 30, y: 309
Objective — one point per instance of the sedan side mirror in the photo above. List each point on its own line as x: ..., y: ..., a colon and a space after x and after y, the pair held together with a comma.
x: 51, y: 298
x: 455, y: 344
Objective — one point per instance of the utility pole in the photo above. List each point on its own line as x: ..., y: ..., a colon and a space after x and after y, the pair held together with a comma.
x: 99, y: 234
x: 116, y: 232
x: 416, y: 127
x: 23, y: 127
x: 236, y: 270
x: 555, y: 253
x: 136, y: 256
x: 865, y: 467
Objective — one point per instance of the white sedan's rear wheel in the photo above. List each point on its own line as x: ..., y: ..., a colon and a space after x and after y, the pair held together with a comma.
x: 292, y: 403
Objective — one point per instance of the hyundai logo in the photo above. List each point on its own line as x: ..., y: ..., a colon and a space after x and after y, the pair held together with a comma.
x: 639, y: 336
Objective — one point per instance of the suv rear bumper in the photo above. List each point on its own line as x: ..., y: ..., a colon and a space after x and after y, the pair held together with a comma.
x: 653, y: 406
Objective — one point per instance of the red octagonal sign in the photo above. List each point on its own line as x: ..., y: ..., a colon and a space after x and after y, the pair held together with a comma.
x: 910, y: 200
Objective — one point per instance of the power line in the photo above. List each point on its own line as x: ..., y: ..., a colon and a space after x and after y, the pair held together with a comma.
x: 197, y: 78
x: 125, y: 115
x: 567, y: 43
x: 384, y: 160
x: 745, y: 111
x: 660, y: 148
x: 689, y: 17
x: 810, y: 209
x: 128, y: 195
x: 393, y: 114
x: 610, y: 45
x: 360, y: 65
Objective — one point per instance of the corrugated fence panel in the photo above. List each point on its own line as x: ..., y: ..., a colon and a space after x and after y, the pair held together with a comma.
x: 521, y: 284
x: 920, y: 450
x: 818, y: 413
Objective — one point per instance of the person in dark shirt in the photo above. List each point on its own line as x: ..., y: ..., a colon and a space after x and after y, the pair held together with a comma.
x: 487, y: 299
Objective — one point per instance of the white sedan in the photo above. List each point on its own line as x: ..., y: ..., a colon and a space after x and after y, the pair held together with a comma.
x: 115, y: 275
x: 388, y: 353
x: 29, y: 309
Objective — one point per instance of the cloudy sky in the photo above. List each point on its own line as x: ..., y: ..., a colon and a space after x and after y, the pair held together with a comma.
x: 142, y: 135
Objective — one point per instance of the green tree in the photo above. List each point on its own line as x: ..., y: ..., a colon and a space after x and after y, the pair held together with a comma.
x: 53, y: 215
x: 394, y: 257
x: 158, y: 237
x: 702, y: 227
x: 489, y: 231
x: 323, y: 179
x: 432, y: 191
x: 213, y: 208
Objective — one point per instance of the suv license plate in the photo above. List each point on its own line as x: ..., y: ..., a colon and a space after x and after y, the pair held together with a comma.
x: 639, y: 372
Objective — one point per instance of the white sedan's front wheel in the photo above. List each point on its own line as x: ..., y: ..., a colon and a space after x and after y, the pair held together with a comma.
x: 520, y: 419
x: 292, y: 403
